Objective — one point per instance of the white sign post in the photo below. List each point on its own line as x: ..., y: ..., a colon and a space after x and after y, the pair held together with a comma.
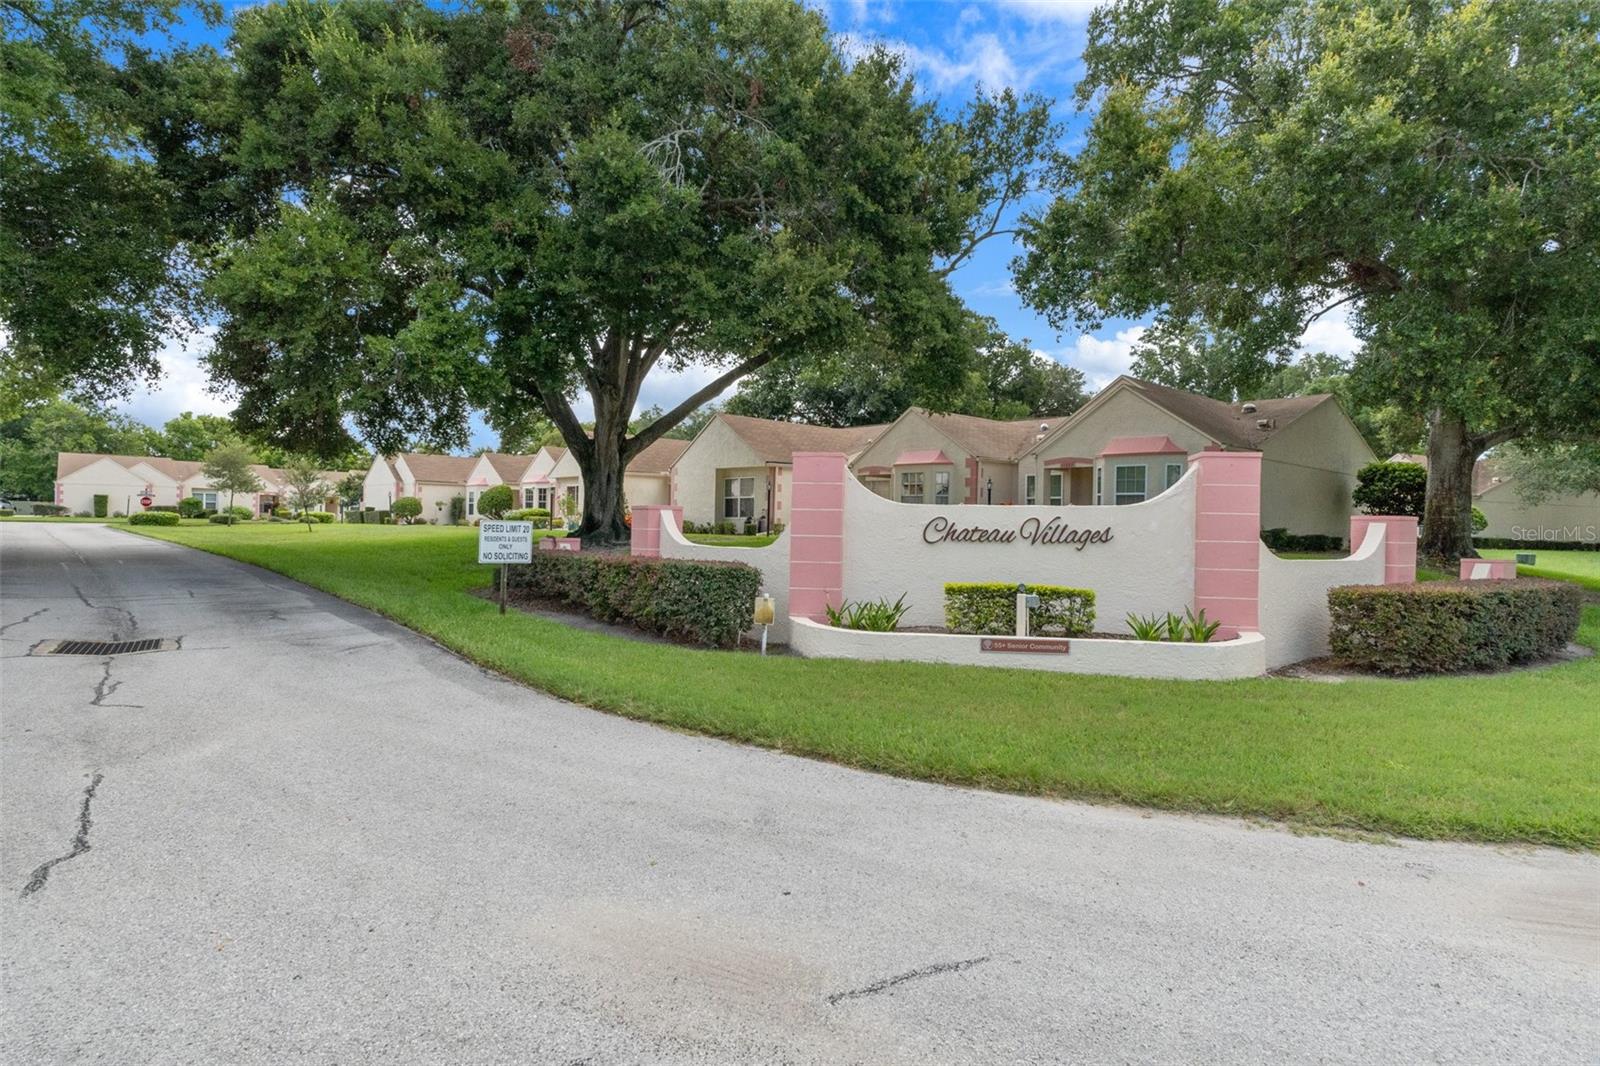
x: 500, y: 543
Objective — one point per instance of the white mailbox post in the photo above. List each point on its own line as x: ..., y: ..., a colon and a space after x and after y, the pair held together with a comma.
x: 500, y: 543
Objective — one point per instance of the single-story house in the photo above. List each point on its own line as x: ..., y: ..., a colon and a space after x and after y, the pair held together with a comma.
x: 647, y: 479
x: 1128, y: 444
x: 433, y: 479
x: 125, y: 479
x: 1567, y: 517
x: 738, y: 469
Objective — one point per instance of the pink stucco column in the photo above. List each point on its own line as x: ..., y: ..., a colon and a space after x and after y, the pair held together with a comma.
x: 1227, y: 538
x: 816, y: 534
x: 646, y: 539
x: 1399, y: 544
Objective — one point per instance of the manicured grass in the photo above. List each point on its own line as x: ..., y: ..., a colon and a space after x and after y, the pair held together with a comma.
x: 1512, y: 757
x: 1579, y: 567
x: 732, y: 540
x: 1423, y: 573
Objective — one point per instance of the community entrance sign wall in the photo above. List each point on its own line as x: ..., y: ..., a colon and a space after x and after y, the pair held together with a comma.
x: 1195, y: 547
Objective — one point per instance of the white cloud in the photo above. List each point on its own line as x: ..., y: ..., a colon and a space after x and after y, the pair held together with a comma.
x: 983, y: 60
x: 1331, y: 333
x: 183, y: 384
x: 1100, y: 359
x: 1069, y: 11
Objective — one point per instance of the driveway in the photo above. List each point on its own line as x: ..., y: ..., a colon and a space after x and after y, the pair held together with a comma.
x: 309, y: 835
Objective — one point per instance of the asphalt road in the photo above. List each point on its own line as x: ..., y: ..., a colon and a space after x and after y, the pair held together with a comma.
x: 310, y: 836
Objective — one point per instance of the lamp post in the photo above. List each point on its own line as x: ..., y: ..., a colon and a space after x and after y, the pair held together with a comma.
x: 988, y: 491
x: 765, y: 612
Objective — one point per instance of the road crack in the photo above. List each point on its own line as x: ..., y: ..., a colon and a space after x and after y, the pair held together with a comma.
x: 106, y: 686
x: 80, y: 842
x: 24, y: 618
x: 910, y: 975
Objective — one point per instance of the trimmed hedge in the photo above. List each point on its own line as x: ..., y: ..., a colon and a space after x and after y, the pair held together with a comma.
x: 192, y: 507
x: 1280, y: 539
x: 223, y: 518
x: 709, y: 603
x: 102, y: 504
x: 323, y: 517
x: 990, y: 608
x: 153, y: 518
x: 49, y: 510
x: 1441, y: 626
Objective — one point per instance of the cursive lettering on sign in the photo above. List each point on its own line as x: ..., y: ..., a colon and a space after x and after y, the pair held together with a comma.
x: 1032, y: 531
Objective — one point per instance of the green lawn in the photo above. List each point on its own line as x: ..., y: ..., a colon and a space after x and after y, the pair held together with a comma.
x: 1579, y: 567
x: 1505, y: 758
x: 732, y: 540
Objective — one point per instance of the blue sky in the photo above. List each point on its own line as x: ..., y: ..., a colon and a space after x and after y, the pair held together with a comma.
x: 952, y: 47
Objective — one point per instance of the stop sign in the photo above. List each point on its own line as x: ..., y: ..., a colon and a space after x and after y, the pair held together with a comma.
x: 145, y: 501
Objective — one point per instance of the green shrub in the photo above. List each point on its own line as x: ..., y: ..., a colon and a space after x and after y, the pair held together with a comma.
x: 224, y: 518
x: 153, y: 518
x: 243, y: 514
x: 1281, y: 540
x: 1391, y: 488
x: 495, y: 502
x: 527, y: 514
x: 191, y: 507
x: 101, y: 505
x: 1512, y: 544
x: 406, y: 508
x: 1439, y: 626
x: 458, y: 510
x: 50, y: 509
x: 322, y: 517
x: 166, y: 507
x: 1480, y: 521
x: 876, y: 616
x: 709, y: 603
x: 282, y: 512
x: 990, y: 608
x: 382, y: 518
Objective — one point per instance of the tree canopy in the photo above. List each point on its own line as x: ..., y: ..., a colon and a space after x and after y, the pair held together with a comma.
x: 1431, y: 167
x: 418, y: 211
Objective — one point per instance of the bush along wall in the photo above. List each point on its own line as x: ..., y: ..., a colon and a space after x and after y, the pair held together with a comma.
x: 1511, y: 544
x: 990, y: 608
x: 153, y: 518
x: 709, y: 603
x: 1441, y: 626
x: 100, y: 506
x: 1280, y: 539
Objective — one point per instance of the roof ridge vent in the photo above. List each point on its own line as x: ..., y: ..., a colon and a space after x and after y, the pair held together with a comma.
x: 1249, y: 407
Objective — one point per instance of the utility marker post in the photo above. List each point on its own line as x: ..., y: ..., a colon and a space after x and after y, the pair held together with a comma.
x: 500, y: 543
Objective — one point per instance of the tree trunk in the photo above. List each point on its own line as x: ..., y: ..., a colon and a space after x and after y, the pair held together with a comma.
x: 602, y: 469
x: 1453, y: 449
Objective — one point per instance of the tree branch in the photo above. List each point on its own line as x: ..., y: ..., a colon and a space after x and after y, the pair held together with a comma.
x: 657, y: 429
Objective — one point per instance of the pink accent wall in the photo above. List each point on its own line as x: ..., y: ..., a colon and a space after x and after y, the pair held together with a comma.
x: 646, y: 540
x: 816, y: 534
x: 1488, y: 569
x: 1399, y: 544
x: 1227, y: 552
x: 972, y: 483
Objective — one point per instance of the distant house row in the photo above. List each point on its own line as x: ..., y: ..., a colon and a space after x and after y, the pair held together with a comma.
x: 1562, y: 517
x: 1129, y: 443
x: 126, y: 479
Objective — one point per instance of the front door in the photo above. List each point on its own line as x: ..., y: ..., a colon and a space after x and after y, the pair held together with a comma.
x: 1082, y: 486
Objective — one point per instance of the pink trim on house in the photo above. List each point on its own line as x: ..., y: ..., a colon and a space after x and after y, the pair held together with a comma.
x: 1399, y: 544
x: 1488, y: 569
x: 924, y: 457
x: 972, y: 481
x: 816, y: 534
x: 874, y: 471
x: 1227, y: 553
x: 1067, y: 462
x: 645, y: 542
x: 1158, y: 445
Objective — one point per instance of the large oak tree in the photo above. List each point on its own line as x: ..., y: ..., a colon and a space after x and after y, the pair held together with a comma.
x: 1431, y: 165
x: 420, y: 211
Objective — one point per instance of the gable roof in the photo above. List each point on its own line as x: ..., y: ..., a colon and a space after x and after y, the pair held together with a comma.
x: 658, y: 456
x: 176, y: 469
x: 1229, y: 424
x: 439, y: 468
x: 776, y: 442
x: 987, y: 438
x: 510, y: 467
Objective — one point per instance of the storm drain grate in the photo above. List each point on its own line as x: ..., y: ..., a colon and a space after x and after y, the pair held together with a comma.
x: 102, y: 647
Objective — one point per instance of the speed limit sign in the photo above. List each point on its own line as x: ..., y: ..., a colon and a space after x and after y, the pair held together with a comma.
x: 145, y: 501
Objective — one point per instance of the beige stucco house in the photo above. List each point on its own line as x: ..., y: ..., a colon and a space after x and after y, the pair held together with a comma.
x: 1131, y: 442
x: 1567, y: 517
x: 647, y: 479
x: 738, y: 469
x: 125, y: 479
x: 433, y: 479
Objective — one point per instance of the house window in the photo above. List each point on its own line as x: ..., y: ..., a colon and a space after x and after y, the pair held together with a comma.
x: 572, y: 500
x: 1056, y: 478
x: 739, y: 497
x: 1130, y: 484
x: 208, y: 500
x: 1174, y: 474
x: 544, y: 498
x: 911, y: 486
x: 1030, y: 490
x: 527, y: 497
x: 941, y: 486
x: 472, y: 502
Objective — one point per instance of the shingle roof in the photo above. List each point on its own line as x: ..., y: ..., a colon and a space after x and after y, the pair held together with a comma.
x: 509, y: 466
x: 1228, y: 423
x: 449, y: 469
x: 658, y: 456
x: 988, y: 438
x: 776, y: 442
x: 176, y: 469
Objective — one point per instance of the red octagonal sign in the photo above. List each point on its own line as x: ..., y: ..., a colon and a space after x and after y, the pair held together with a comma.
x: 145, y: 501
